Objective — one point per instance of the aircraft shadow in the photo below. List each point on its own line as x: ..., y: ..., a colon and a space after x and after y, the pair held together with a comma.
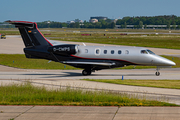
x: 79, y: 74
x: 74, y: 74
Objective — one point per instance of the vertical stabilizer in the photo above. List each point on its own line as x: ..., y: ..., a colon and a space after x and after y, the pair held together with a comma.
x: 30, y: 34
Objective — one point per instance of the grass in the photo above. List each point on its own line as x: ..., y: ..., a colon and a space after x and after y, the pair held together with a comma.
x: 20, y: 61
x: 171, y: 84
x: 27, y: 94
x: 10, y: 32
x: 94, y: 30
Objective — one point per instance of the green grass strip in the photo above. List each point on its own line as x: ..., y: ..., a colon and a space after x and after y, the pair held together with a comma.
x: 20, y: 61
x: 27, y: 94
x: 172, y: 84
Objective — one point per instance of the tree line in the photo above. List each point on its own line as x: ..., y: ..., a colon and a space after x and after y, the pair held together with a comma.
x: 101, y: 24
x: 144, y: 20
x: 138, y: 22
x: 52, y: 24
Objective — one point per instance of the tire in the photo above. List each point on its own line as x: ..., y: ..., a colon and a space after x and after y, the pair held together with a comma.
x: 84, y: 72
x: 157, y: 73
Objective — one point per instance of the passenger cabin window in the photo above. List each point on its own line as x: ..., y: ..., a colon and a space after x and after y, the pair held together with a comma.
x: 112, y: 51
x: 119, y: 51
x: 97, y: 51
x: 86, y: 50
x: 127, y: 52
x: 144, y: 52
x: 105, y: 51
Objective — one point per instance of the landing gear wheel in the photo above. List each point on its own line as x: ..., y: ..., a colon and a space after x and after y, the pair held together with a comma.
x: 85, y: 72
x: 157, y: 73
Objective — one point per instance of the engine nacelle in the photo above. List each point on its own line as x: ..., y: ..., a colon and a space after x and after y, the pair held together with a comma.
x: 66, y: 49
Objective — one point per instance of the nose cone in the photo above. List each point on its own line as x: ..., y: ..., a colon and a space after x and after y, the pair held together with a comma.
x: 169, y: 63
x: 160, y: 61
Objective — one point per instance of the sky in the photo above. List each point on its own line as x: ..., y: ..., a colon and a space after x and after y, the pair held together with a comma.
x: 66, y: 10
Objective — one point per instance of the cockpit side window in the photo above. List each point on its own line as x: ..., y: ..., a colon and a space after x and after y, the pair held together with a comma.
x: 150, y: 52
x: 144, y: 52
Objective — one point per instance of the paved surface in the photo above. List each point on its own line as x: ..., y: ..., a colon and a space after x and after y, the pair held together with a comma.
x: 63, y: 78
x: 88, y: 113
x: 11, y: 45
x: 32, y: 74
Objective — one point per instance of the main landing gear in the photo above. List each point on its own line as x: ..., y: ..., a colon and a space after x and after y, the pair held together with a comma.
x: 86, y: 72
x: 157, y: 73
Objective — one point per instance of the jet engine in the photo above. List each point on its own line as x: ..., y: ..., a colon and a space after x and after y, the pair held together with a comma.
x: 66, y: 49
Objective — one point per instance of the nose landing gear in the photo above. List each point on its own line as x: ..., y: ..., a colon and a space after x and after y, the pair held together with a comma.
x: 157, y: 73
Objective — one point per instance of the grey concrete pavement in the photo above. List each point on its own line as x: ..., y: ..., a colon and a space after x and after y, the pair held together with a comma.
x: 69, y: 113
x: 10, y: 112
x: 14, y: 73
x: 88, y: 113
x: 11, y: 45
x: 148, y: 113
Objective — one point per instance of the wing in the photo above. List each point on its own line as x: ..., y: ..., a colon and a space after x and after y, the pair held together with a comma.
x: 90, y: 63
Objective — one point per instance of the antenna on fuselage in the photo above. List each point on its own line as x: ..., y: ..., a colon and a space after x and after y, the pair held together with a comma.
x: 84, y: 44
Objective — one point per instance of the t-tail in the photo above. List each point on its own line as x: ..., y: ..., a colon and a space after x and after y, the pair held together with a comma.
x: 36, y: 44
x: 30, y: 34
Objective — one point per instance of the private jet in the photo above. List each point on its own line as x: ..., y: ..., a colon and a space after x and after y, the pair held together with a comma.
x: 89, y: 58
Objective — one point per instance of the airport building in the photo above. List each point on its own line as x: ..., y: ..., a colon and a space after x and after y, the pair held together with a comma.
x: 93, y: 20
x: 74, y: 21
x: 99, y: 18
x: 96, y: 19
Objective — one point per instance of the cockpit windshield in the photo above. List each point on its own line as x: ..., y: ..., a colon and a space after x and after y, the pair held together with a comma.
x: 150, y: 52
x: 146, y: 52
